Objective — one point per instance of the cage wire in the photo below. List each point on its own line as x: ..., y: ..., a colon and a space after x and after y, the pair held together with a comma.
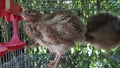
x: 37, y: 57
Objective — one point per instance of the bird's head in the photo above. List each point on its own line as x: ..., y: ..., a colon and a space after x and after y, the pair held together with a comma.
x: 31, y: 15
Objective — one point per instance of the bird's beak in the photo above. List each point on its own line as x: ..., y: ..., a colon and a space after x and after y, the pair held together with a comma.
x: 22, y: 13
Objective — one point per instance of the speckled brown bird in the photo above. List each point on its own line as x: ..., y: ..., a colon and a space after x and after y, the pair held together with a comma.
x: 57, y: 31
x: 103, y: 30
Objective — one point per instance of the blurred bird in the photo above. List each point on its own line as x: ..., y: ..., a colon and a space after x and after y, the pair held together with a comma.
x: 56, y: 31
x: 103, y: 30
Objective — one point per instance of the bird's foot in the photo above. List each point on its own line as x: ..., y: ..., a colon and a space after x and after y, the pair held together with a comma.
x: 52, y: 65
x: 51, y: 62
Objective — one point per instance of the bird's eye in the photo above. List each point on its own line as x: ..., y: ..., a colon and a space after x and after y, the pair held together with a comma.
x: 28, y: 12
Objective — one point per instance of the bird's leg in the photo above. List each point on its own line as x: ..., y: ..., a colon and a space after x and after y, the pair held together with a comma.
x: 54, y: 64
x: 57, y: 61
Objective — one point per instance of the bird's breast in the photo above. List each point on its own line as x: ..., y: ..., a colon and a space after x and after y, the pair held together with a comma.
x: 59, y: 49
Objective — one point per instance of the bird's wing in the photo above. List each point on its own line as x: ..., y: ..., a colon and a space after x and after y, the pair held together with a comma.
x: 67, y: 25
x: 61, y: 27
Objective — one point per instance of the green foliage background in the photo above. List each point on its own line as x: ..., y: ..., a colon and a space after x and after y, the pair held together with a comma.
x: 83, y: 55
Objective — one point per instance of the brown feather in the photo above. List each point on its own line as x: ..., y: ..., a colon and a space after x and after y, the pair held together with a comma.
x: 57, y: 31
